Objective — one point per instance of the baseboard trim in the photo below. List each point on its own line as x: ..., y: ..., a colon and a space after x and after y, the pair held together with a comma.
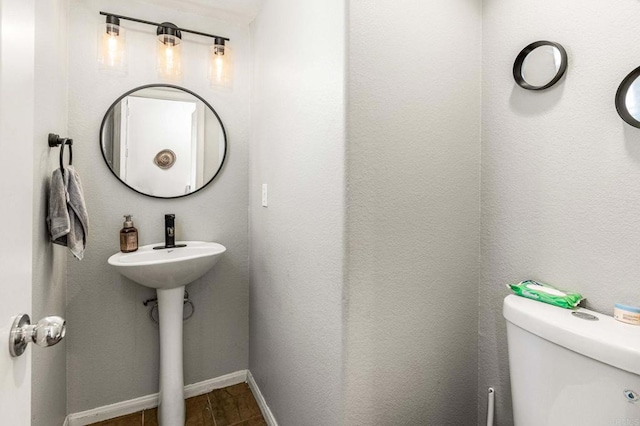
x: 207, y: 386
x: 262, y: 403
x: 150, y: 401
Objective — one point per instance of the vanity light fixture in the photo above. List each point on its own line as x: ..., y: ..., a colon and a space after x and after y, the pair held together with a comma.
x: 111, y: 39
x: 168, y: 51
x: 220, y: 64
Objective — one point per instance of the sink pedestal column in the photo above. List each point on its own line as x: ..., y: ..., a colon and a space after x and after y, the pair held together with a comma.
x: 171, y: 406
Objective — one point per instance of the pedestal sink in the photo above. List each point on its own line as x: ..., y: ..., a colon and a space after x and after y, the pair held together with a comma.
x: 169, y: 271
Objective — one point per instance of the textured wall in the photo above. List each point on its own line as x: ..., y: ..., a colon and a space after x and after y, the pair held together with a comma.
x: 297, y: 244
x: 560, y: 170
x: 112, y: 344
x: 48, y: 402
x: 413, y: 211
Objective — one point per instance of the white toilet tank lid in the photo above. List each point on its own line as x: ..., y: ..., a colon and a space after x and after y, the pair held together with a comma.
x: 606, y: 340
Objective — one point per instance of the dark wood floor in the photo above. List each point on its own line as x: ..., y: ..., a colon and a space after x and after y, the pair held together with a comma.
x: 230, y: 406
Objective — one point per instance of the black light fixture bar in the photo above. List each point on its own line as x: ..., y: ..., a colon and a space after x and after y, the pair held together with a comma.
x: 155, y: 24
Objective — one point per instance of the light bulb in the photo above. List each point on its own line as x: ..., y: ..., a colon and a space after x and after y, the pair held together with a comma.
x: 169, y: 57
x: 113, y: 50
x: 219, y: 67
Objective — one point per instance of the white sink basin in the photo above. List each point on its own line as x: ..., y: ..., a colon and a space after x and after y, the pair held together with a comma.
x: 168, y: 268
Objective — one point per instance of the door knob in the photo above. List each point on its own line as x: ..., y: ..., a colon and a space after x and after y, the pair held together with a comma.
x: 46, y: 332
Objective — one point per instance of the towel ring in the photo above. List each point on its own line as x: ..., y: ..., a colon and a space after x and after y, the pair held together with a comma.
x: 56, y: 140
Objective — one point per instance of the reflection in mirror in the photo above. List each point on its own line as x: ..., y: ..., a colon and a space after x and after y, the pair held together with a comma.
x: 540, y: 65
x: 628, y: 98
x: 163, y: 141
x: 632, y: 100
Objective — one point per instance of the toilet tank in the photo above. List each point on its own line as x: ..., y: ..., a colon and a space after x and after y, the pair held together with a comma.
x: 567, y: 370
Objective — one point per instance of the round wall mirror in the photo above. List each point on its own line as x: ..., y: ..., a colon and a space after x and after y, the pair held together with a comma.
x: 163, y: 141
x: 540, y: 65
x: 628, y: 98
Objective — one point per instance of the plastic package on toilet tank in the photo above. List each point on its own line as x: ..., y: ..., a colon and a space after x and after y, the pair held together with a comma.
x: 571, y: 367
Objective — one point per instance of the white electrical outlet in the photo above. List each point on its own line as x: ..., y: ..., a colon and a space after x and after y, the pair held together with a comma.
x: 264, y: 195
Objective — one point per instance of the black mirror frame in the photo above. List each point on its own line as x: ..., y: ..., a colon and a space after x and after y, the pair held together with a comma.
x: 621, y: 95
x: 517, y: 65
x: 171, y: 86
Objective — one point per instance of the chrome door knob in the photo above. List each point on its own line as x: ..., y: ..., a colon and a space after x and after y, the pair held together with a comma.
x: 46, y: 332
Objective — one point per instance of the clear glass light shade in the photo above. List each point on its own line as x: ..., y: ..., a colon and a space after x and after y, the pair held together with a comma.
x: 111, y: 47
x: 220, y: 66
x: 169, y: 57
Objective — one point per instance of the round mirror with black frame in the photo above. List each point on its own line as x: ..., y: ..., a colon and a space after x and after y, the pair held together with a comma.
x: 540, y: 65
x: 628, y: 98
x: 163, y: 141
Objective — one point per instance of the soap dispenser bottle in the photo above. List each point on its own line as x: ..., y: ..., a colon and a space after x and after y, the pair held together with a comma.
x: 128, y: 236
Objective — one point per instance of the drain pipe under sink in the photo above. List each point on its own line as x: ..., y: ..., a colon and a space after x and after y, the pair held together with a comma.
x: 490, y: 406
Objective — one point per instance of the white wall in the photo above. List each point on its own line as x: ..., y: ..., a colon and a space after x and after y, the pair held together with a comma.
x: 560, y: 169
x: 297, y: 243
x: 413, y: 211
x: 112, y: 343
x: 48, y: 402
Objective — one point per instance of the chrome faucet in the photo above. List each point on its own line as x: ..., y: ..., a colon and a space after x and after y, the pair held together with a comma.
x: 169, y: 233
x: 169, y: 230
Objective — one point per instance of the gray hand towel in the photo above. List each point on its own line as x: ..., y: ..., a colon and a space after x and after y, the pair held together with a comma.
x: 68, y: 219
x: 58, y: 217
